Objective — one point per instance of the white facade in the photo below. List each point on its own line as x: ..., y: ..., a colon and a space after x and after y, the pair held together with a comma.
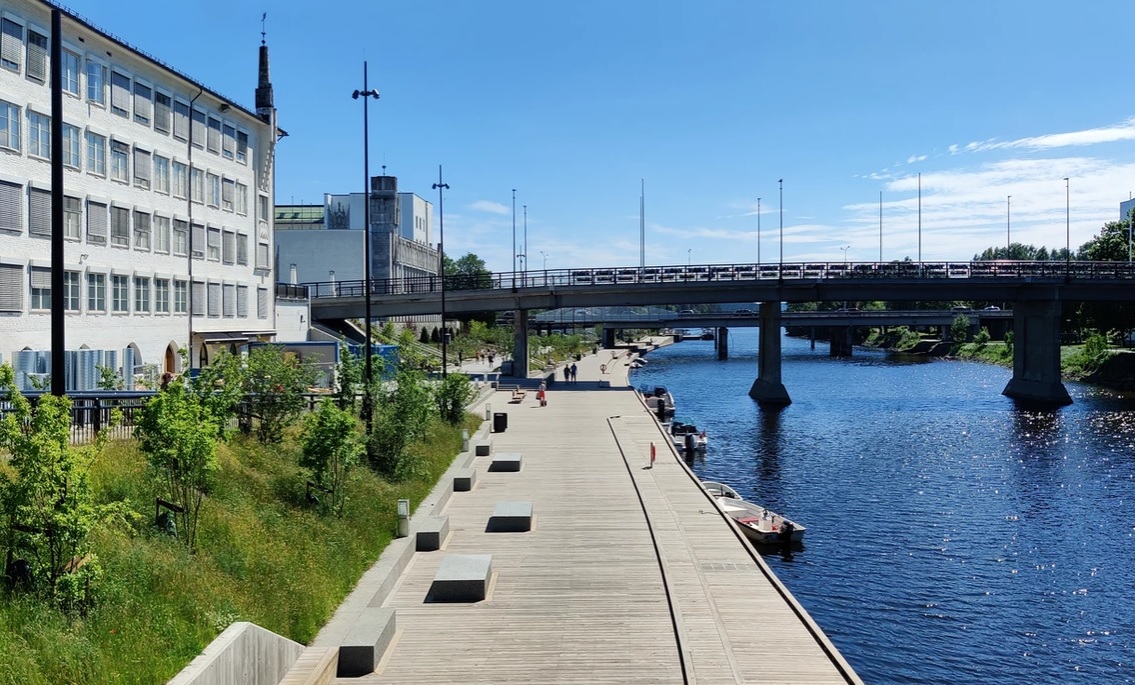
x: 1125, y: 209
x: 416, y: 218
x: 129, y: 221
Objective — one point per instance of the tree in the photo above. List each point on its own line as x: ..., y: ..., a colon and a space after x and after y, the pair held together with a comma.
x: 452, y: 395
x: 218, y: 388
x: 424, y: 338
x: 332, y: 446
x: 401, y: 417
x: 274, y: 384
x: 178, y: 434
x: 1110, y: 245
x: 959, y: 329
x: 468, y: 273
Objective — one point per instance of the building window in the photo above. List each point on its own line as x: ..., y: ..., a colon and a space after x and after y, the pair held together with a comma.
x: 262, y: 255
x: 120, y: 94
x: 242, y: 249
x: 11, y: 45
x: 180, y: 297
x: 230, y: 300
x: 39, y: 212
x: 71, y: 291
x: 9, y: 126
x: 161, y: 295
x: 229, y: 142
x: 180, y: 180
x: 141, y: 295
x: 214, y: 190
x: 197, y: 128
x: 161, y: 174
x: 263, y: 208
x: 214, y: 244
x: 120, y: 294
x: 228, y: 189
x: 96, y: 154
x: 11, y: 209
x: 197, y: 185
x: 143, y: 103
x: 180, y: 120
x: 37, y: 56
x: 180, y: 237
x: 241, y: 147
x: 96, y: 83
x: 72, y: 218
x: 120, y: 227
x: 96, y: 292
x: 141, y: 231
x: 119, y: 161
x: 39, y: 135
x: 12, y: 288
x: 241, y: 199
x: 96, y: 223
x: 262, y: 303
x: 71, y: 72
x: 197, y: 241
x: 214, y: 300
x: 228, y: 247
x: 161, y: 234
x: 163, y: 110
x: 214, y: 135
x: 199, y: 297
x: 40, y: 288
x: 142, y: 168
x: 72, y: 150
x: 242, y: 301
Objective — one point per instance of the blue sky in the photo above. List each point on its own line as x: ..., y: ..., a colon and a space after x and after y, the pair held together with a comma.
x: 710, y: 102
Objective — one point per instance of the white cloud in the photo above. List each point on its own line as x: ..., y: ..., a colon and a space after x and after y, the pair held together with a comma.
x: 915, y: 158
x: 489, y: 206
x: 1092, y: 136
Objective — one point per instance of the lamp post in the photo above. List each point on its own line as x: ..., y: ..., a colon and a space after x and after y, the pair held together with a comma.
x: 1008, y: 239
x: 366, y: 94
x: 920, y: 223
x: 845, y: 248
x: 545, y: 256
x: 689, y: 250
x: 880, y: 227
x: 439, y: 187
x: 524, y: 254
x: 758, y: 232
x: 1067, y: 230
x: 780, y: 271
x: 514, y: 237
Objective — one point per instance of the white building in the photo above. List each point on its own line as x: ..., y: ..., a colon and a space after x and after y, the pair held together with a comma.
x: 140, y: 197
x: 1125, y: 209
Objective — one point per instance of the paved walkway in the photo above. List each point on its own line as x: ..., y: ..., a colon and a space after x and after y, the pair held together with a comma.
x: 629, y: 574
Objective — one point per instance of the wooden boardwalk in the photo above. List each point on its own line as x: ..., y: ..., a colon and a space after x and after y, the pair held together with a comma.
x: 628, y: 575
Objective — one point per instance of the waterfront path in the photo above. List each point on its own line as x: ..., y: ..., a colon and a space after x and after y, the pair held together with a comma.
x: 628, y: 574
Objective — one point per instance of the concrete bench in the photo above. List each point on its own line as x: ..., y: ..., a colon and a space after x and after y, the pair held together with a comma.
x: 462, y: 578
x: 464, y: 480
x: 510, y: 517
x: 505, y: 461
x: 431, y: 533
x: 518, y: 395
x: 483, y: 448
x: 364, y: 645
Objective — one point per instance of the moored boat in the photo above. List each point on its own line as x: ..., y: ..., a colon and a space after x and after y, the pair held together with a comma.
x: 687, y: 437
x: 759, y: 524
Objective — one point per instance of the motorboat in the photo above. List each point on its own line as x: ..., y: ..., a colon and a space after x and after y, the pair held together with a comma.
x: 759, y: 524
x: 660, y: 402
x: 687, y: 437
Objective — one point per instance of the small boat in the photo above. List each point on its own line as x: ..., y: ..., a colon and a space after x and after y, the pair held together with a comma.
x: 660, y: 402
x: 686, y: 436
x: 758, y: 524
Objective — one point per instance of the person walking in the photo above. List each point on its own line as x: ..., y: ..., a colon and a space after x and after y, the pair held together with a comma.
x: 542, y: 394
x: 574, y: 371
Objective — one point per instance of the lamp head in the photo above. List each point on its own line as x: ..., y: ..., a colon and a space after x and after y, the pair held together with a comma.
x: 441, y: 185
x: 355, y: 95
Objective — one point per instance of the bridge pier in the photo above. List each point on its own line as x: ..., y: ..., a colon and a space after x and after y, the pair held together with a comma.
x: 608, y: 338
x: 520, y: 344
x: 768, y: 390
x: 721, y: 342
x: 1036, y: 354
x: 842, y: 341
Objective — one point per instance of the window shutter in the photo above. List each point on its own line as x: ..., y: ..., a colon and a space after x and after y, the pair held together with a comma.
x: 198, y: 298
x: 96, y: 223
x: 242, y: 301
x: 241, y: 146
x: 242, y: 249
x: 161, y: 112
x: 214, y: 299
x: 41, y: 278
x: 180, y: 120
x: 198, y: 128
x: 229, y: 247
x: 262, y: 303
x: 214, y: 135
x: 10, y: 206
x: 11, y: 288
x: 230, y: 300
x: 37, y: 55
x: 198, y: 240
x: 142, y: 167
x: 39, y: 212
x: 11, y: 42
x: 119, y: 91
x: 142, y: 102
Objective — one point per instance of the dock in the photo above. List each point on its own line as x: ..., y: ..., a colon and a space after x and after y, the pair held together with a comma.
x: 624, y: 573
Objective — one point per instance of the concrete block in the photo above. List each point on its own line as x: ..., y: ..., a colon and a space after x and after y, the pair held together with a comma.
x: 511, y: 517
x: 483, y: 448
x: 431, y: 533
x: 462, y: 578
x: 364, y: 645
x: 505, y: 461
x: 464, y: 480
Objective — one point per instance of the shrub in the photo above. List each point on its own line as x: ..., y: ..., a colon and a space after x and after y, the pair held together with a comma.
x: 402, y: 416
x: 274, y: 383
x: 332, y: 446
x: 452, y: 395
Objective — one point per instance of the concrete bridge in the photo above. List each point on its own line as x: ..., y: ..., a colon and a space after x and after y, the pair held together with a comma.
x: 1034, y: 289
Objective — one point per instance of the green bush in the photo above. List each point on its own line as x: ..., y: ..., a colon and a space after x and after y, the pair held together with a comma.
x: 452, y: 395
x: 332, y: 446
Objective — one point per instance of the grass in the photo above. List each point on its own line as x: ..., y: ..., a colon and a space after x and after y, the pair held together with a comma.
x: 264, y: 556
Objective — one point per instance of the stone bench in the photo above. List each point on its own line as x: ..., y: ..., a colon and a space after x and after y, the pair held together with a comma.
x: 462, y: 578
x: 362, y: 648
x: 505, y: 461
x: 464, y: 480
x: 510, y: 517
x: 483, y: 448
x: 431, y: 533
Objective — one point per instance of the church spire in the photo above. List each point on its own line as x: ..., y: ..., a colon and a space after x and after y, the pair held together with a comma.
x: 265, y: 106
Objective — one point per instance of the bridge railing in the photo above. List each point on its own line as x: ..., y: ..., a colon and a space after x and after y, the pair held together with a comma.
x: 622, y: 275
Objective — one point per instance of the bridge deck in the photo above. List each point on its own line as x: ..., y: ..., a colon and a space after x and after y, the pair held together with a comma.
x: 581, y: 598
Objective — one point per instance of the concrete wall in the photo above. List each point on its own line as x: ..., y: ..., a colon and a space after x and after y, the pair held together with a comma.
x: 317, y: 252
x: 293, y: 320
x: 245, y: 654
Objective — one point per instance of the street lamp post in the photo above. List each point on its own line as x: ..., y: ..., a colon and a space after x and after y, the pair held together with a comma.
x: 524, y: 254
x: 514, y: 237
x: 1008, y: 216
x: 689, y: 251
x: 920, y: 223
x: 439, y: 187
x: 780, y: 270
x: 845, y: 248
x: 880, y: 227
x: 758, y: 232
x: 1067, y: 230
x: 366, y: 94
x: 545, y: 256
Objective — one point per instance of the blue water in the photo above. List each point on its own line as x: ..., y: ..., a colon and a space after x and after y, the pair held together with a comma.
x: 952, y: 538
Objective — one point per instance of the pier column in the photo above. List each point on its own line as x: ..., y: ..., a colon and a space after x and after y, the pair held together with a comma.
x: 842, y: 341
x: 767, y: 390
x: 520, y: 344
x: 608, y: 338
x: 1036, y: 354
x: 721, y: 341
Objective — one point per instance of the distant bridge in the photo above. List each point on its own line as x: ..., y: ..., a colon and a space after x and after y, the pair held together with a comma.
x: 888, y: 317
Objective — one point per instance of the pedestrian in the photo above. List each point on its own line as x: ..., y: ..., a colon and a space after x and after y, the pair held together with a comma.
x: 574, y: 371
x: 166, y: 378
x: 567, y: 374
x: 491, y: 358
x: 542, y: 394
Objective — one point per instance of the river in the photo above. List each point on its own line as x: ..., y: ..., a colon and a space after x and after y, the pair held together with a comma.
x: 952, y: 537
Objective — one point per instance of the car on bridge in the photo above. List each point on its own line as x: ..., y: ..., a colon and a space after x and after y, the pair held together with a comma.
x: 744, y: 312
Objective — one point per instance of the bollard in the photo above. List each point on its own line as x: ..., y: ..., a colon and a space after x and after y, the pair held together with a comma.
x: 488, y: 411
x: 403, y: 518
x: 464, y: 439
